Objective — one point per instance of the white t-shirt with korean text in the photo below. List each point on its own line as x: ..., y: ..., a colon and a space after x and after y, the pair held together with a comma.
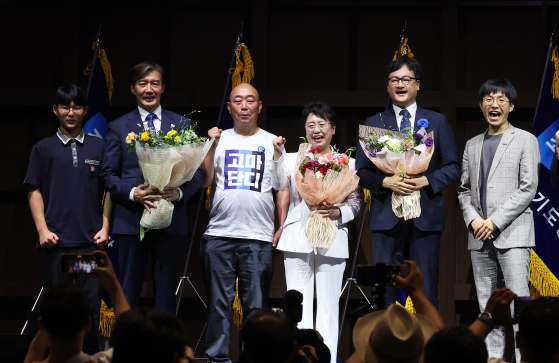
x: 242, y: 204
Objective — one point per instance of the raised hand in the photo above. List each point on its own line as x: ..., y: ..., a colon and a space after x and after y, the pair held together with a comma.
x: 279, y: 146
x: 214, y: 132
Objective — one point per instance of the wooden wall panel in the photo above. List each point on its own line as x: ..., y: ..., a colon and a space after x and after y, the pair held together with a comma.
x: 497, y: 42
x: 379, y: 30
x: 37, y: 50
x: 200, y: 49
x: 309, y: 46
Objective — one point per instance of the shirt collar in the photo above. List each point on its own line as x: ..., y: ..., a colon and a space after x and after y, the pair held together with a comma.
x: 144, y: 113
x: 412, y: 109
x: 65, y: 138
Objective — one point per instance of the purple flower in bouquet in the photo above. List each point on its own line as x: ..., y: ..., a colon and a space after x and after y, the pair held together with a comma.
x: 417, y: 136
x: 429, y: 141
x: 367, y: 146
x: 379, y: 149
x: 372, y: 154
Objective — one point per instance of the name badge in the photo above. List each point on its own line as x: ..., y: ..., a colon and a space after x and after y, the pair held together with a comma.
x: 92, y: 162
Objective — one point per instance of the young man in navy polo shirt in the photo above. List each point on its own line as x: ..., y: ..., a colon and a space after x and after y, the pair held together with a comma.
x: 66, y: 198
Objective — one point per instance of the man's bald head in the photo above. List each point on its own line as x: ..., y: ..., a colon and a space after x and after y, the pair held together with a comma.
x: 244, y: 105
x: 244, y: 88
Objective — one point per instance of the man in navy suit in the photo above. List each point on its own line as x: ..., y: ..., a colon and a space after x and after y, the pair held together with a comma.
x: 130, y: 195
x: 417, y: 239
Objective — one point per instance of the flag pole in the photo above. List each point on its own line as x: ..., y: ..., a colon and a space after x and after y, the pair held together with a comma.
x: 402, y: 38
x: 95, y: 54
x: 352, y: 280
x: 183, y: 277
x: 547, y: 58
x: 399, y: 53
x: 228, y: 83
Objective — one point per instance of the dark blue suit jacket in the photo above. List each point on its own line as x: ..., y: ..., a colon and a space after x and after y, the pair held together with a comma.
x: 121, y: 172
x: 443, y: 170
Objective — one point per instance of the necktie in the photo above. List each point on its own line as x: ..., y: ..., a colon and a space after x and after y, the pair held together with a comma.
x: 149, y: 119
x: 405, y: 125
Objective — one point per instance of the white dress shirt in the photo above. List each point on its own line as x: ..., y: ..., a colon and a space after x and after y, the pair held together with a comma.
x: 412, y: 109
x: 157, y: 124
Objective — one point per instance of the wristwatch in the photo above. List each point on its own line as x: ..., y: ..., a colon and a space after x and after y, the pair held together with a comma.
x: 487, y: 319
x: 281, y: 227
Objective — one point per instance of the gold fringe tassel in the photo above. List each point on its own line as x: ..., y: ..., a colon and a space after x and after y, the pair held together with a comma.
x: 108, y: 74
x: 403, y: 51
x: 555, y: 84
x: 542, y: 281
x: 208, y: 193
x: 237, y: 307
x: 106, y: 320
x: 248, y: 75
x: 106, y: 69
x: 367, y: 197
x: 247, y: 68
x: 409, y: 305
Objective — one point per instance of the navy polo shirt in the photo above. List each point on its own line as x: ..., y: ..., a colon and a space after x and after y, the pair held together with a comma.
x: 67, y: 172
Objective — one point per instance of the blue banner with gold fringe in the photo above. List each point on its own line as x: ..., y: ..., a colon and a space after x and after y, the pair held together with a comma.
x: 544, y: 262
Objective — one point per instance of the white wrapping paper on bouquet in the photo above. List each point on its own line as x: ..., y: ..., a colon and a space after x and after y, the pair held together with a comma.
x: 168, y: 166
x: 392, y: 163
x: 333, y: 188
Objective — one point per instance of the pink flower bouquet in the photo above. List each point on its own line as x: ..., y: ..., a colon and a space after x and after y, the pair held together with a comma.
x: 327, y: 179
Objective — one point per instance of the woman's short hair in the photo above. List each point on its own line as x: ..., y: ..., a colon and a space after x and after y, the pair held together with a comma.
x: 321, y: 110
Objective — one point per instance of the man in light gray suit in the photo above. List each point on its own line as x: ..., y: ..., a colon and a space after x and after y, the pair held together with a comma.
x: 499, y: 180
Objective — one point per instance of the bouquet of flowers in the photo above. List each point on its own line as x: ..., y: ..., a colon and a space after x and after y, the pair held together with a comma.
x: 327, y: 179
x: 169, y: 159
x: 396, y: 153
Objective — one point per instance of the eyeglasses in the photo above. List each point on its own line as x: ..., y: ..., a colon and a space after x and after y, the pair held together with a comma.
x: 321, y: 126
x: 500, y: 101
x: 66, y: 110
x: 405, y: 80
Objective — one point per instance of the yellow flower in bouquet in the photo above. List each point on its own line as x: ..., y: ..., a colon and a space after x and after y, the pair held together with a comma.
x: 171, y: 133
x: 131, y: 137
x: 145, y: 136
x: 177, y: 138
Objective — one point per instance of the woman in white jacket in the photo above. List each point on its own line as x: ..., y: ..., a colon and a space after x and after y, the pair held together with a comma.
x: 302, y: 265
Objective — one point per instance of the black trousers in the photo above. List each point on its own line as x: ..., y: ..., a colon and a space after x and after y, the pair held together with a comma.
x: 223, y: 260
x: 51, y: 262
x: 133, y: 254
x: 416, y: 245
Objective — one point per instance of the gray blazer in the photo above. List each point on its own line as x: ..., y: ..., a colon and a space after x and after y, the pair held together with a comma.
x: 511, y: 185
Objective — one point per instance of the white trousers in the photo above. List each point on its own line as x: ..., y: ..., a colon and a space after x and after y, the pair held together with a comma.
x: 514, y: 263
x: 301, y: 271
